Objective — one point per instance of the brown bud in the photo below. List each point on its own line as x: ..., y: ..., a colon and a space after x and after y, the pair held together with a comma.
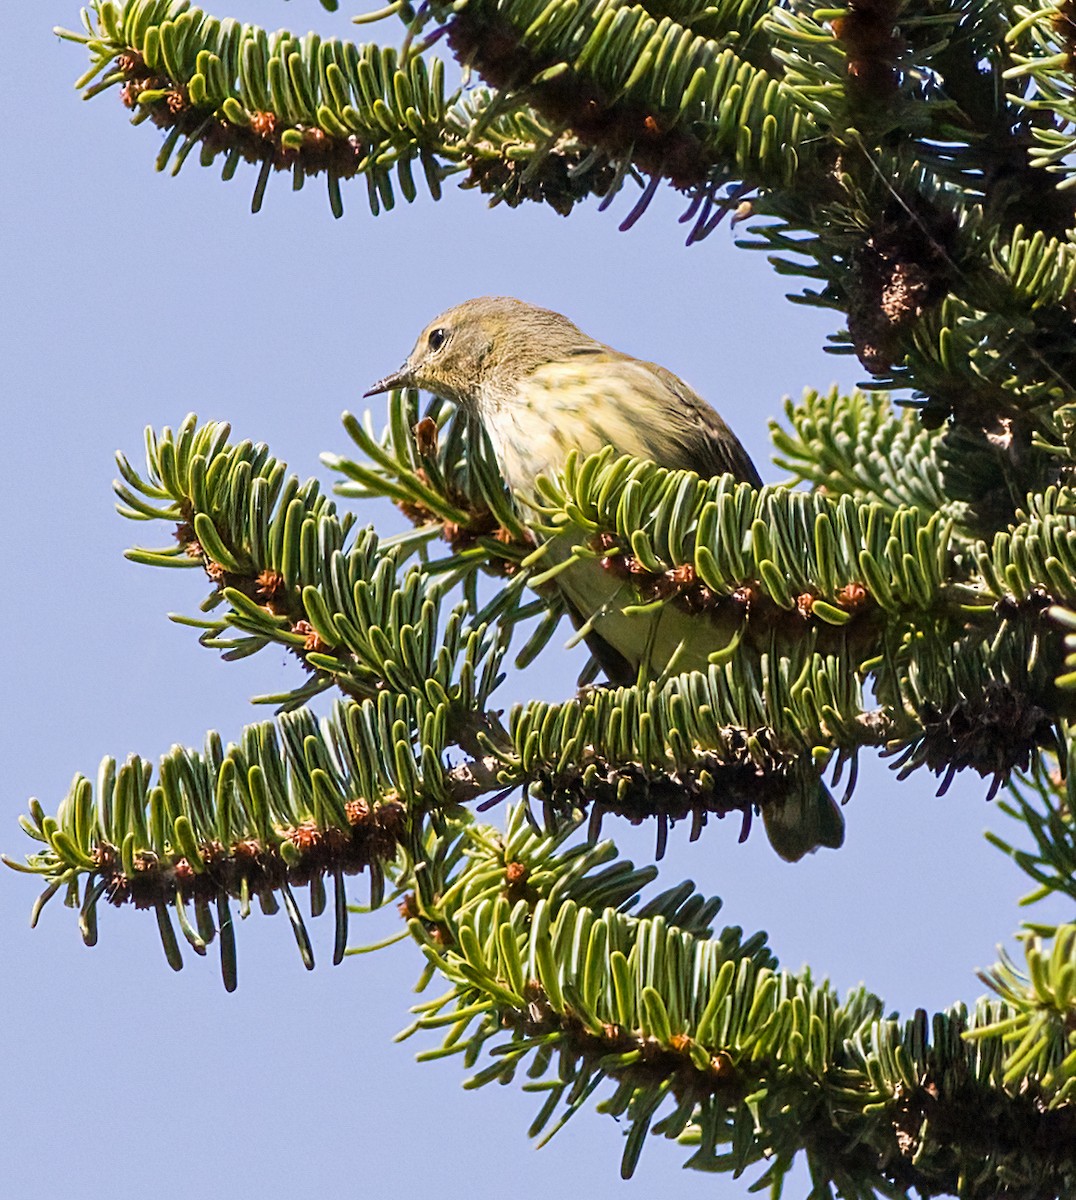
x: 263, y: 123
x: 852, y: 595
x: 304, y: 836
x: 425, y: 432
x: 313, y: 640
x: 269, y: 584
x: 358, y: 811
x: 516, y: 873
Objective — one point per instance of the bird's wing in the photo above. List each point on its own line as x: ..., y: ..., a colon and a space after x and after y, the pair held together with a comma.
x: 598, y: 397
x: 710, y: 447
x: 640, y: 408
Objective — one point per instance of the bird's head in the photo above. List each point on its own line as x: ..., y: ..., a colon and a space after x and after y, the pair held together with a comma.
x: 479, y: 350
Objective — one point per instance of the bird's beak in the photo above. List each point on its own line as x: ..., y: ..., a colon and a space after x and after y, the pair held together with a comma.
x: 400, y: 378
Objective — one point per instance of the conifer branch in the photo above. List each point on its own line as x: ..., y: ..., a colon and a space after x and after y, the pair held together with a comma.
x: 287, y: 571
x: 318, y: 107
x: 294, y: 804
x: 1044, y: 802
x: 946, y: 246
x: 951, y: 636
x: 703, y: 1039
x: 912, y: 162
x: 965, y: 673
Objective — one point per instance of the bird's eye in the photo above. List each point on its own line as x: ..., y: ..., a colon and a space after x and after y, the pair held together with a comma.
x: 437, y: 339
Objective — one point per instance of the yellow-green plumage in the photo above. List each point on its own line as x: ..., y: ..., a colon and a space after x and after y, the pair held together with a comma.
x: 602, y: 399
x: 542, y: 388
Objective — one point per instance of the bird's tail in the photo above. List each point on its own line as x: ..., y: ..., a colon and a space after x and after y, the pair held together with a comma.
x: 805, y: 818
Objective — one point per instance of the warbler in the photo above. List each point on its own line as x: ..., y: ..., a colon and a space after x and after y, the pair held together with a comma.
x: 541, y: 388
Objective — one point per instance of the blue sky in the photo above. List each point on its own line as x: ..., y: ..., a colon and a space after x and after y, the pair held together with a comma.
x: 132, y: 298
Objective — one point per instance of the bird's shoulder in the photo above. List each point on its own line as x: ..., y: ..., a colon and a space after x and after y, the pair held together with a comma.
x: 680, y: 429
